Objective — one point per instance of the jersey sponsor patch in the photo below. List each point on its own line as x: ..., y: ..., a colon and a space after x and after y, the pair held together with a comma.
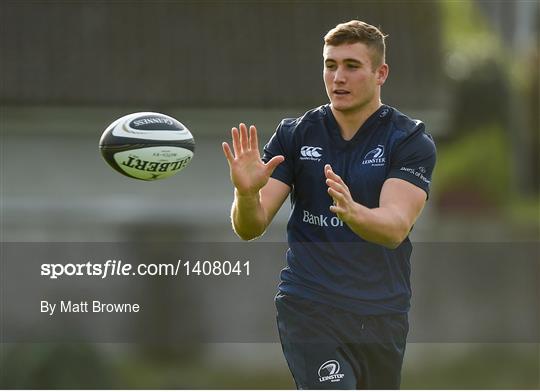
x: 416, y: 172
x: 321, y: 220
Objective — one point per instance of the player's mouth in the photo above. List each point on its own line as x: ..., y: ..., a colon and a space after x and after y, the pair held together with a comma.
x: 341, y: 92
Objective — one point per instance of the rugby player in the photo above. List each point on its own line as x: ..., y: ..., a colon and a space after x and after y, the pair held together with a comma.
x: 358, y: 173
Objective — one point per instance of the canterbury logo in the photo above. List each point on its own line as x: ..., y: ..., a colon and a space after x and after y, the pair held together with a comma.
x: 311, y: 153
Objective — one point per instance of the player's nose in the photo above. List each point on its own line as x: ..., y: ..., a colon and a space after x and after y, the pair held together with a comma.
x: 339, y: 76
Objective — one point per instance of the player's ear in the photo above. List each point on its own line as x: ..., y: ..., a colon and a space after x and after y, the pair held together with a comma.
x: 382, y: 73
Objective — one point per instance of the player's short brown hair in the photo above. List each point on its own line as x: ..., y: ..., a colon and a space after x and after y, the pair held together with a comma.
x: 357, y: 31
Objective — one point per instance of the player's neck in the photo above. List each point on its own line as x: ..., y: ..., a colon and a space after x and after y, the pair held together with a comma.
x: 350, y: 121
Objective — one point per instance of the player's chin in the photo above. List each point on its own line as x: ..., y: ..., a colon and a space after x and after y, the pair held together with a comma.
x: 341, y: 106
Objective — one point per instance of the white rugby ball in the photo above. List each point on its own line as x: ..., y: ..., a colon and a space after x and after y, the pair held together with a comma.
x: 147, y: 146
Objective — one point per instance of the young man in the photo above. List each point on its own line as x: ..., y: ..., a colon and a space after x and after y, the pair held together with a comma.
x: 358, y: 173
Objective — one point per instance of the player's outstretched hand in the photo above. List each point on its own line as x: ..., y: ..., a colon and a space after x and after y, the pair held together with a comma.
x: 344, y: 205
x: 248, y: 172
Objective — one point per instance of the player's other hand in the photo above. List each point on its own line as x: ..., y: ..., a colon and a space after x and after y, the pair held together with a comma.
x: 344, y: 205
x: 248, y: 172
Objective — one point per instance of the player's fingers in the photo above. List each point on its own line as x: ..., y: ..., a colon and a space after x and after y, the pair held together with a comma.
x: 236, y: 141
x: 337, y: 210
x: 228, y: 153
x: 273, y: 163
x: 334, y: 177
x: 337, y: 196
x: 331, y: 174
x: 335, y: 181
x: 327, y: 170
x: 243, y: 137
x: 253, y: 141
x: 337, y: 186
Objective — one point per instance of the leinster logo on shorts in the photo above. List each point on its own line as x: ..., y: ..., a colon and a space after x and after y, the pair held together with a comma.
x: 329, y: 371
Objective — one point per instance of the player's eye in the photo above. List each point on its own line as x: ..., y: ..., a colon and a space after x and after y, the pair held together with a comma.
x: 330, y: 66
x: 353, y: 66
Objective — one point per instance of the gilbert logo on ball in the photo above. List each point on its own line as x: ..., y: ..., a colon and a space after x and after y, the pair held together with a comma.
x: 147, y: 146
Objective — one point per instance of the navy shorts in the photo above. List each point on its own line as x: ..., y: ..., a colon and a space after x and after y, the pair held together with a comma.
x: 330, y: 348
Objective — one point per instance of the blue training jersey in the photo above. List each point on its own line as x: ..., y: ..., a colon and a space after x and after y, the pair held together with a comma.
x: 326, y: 261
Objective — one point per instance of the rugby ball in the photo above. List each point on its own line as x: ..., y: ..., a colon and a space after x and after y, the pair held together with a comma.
x: 147, y: 146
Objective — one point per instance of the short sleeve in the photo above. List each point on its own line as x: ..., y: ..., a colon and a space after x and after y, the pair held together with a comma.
x: 414, y: 159
x: 281, y: 144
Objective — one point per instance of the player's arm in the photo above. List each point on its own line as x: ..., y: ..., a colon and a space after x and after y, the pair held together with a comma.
x: 257, y: 197
x: 252, y: 214
x: 400, y: 204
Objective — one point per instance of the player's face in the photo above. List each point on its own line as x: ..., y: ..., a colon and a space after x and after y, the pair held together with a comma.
x: 350, y: 79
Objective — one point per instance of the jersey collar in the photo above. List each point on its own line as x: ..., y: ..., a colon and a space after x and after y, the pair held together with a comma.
x: 382, y: 114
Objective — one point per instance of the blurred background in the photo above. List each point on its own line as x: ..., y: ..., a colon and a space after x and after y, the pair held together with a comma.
x: 469, y: 69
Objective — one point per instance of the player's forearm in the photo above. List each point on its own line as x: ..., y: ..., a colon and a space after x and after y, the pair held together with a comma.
x: 383, y: 226
x: 248, y: 216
